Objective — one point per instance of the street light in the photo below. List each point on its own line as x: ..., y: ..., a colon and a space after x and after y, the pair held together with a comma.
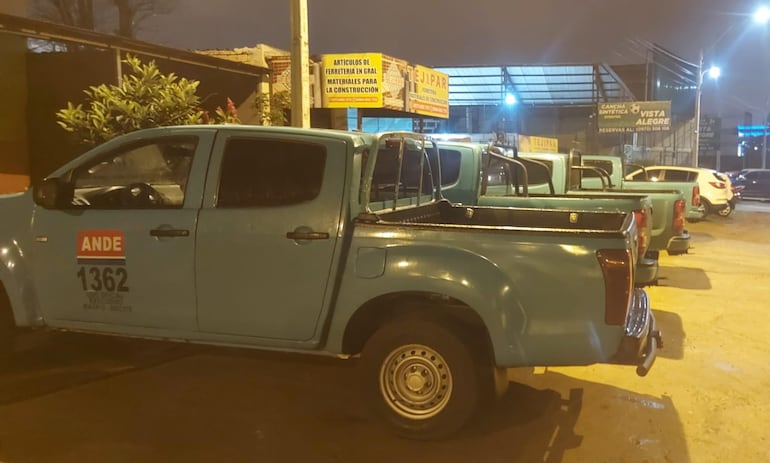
x: 761, y: 16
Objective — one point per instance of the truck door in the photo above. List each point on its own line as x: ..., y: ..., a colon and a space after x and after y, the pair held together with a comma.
x: 122, y: 253
x: 267, y: 234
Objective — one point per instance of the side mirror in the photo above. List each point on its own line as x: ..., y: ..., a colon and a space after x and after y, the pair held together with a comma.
x: 53, y: 193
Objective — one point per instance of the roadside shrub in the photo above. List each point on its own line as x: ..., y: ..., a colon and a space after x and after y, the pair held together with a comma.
x: 145, y: 98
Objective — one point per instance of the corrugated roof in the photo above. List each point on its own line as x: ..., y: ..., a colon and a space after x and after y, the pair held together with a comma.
x: 535, y: 85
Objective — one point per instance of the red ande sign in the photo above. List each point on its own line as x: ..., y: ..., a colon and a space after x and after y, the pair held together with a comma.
x: 101, y: 246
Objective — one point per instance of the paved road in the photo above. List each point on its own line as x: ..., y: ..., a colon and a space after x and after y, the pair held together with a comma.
x: 75, y: 398
x: 753, y: 206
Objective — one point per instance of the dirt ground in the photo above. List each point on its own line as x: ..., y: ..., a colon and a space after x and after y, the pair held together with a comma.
x: 75, y: 398
x: 714, y: 311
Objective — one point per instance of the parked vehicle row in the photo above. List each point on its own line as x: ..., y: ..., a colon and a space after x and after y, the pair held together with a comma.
x: 751, y: 183
x: 325, y: 242
x: 716, y: 191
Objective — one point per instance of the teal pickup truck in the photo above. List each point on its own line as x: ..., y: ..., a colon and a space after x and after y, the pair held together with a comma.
x: 471, y: 174
x: 572, y: 175
x: 607, y: 171
x: 326, y: 242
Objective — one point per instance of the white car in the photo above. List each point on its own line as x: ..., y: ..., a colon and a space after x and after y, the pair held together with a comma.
x: 716, y: 192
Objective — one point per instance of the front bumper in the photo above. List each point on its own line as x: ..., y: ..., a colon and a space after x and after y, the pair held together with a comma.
x: 642, y: 339
x: 679, y: 244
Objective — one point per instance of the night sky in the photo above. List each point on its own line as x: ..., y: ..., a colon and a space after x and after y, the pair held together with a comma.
x: 488, y: 32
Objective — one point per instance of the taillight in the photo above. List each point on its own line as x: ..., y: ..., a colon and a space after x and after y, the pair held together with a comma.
x: 618, y: 284
x: 696, y: 196
x: 718, y: 185
x: 678, y: 223
x: 642, y: 231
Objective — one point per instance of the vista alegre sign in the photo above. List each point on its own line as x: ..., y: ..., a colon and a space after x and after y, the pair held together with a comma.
x: 634, y: 116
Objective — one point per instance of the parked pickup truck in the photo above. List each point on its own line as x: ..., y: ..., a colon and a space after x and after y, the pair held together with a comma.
x: 320, y: 241
x: 480, y: 176
x: 611, y: 170
x: 669, y: 203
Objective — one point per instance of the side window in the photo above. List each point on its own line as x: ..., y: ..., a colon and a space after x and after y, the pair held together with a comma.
x: 751, y: 175
x: 147, y: 175
x: 270, y: 173
x: 765, y: 176
x: 679, y: 176
x: 652, y: 174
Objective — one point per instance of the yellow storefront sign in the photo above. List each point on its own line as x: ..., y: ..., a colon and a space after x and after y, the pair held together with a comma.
x: 352, y: 80
x: 431, y: 92
x: 532, y: 144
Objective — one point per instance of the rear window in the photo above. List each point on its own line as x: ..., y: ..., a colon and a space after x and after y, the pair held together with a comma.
x: 450, y: 166
x: 599, y: 164
x: 719, y: 177
x: 386, y: 175
x: 538, y: 172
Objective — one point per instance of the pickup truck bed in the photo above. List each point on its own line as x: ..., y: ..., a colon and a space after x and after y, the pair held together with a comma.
x: 533, y: 219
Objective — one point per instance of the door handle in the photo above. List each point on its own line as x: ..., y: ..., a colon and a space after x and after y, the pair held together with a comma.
x: 169, y: 232
x: 295, y: 235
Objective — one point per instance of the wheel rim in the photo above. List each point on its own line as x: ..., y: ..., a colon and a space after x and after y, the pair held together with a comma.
x: 726, y: 210
x: 416, y: 381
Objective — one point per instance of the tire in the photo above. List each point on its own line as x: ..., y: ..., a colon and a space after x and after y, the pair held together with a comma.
x: 725, y: 211
x: 420, y: 376
x: 7, y: 331
x: 707, y: 206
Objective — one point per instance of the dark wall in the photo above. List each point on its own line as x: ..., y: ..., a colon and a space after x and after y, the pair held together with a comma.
x: 55, y: 78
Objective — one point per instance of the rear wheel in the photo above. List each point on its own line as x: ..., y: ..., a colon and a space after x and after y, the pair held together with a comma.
x: 7, y: 329
x: 708, y: 208
x: 726, y: 211
x: 421, y: 377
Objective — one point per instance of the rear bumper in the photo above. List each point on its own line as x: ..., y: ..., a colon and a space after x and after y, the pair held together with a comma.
x: 646, y: 271
x: 695, y: 214
x: 641, y: 339
x: 679, y: 244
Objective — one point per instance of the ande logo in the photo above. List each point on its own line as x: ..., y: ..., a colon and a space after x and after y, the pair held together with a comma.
x: 101, y: 247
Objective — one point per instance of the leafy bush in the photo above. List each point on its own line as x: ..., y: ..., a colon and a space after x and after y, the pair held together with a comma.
x: 145, y: 98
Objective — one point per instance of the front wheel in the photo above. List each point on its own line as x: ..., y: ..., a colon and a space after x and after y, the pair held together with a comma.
x: 421, y: 378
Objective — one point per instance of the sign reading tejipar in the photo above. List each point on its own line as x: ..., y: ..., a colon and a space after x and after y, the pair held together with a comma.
x: 431, y: 92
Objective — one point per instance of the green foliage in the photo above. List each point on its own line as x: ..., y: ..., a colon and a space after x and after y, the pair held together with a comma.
x: 272, y: 111
x: 145, y: 98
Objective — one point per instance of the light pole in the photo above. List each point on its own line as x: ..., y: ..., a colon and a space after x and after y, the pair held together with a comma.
x: 713, y: 72
x: 300, y: 59
x: 761, y: 16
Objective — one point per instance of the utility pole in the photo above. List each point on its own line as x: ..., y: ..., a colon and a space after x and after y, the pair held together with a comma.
x: 698, y: 91
x: 300, y: 65
x: 764, y: 140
